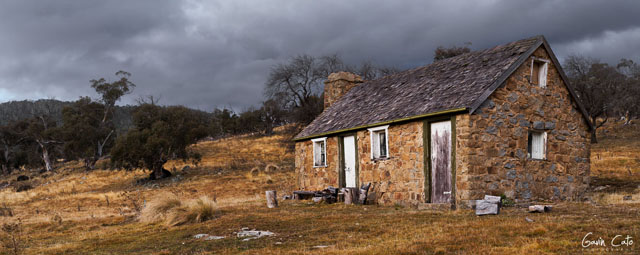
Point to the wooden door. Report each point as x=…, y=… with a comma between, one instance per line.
x=349, y=148
x=440, y=162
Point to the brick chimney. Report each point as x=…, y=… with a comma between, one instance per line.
x=337, y=85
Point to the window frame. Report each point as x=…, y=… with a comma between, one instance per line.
x=376, y=131
x=530, y=135
x=324, y=145
x=543, y=69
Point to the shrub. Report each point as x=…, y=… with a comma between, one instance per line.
x=12, y=238
x=23, y=187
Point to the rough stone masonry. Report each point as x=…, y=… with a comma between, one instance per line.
x=490, y=147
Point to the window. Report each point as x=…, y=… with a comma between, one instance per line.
x=539, y=72
x=379, y=142
x=320, y=152
x=537, y=145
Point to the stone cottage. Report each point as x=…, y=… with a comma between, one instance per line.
x=501, y=121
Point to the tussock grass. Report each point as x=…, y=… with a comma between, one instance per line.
x=158, y=208
x=198, y=210
x=170, y=210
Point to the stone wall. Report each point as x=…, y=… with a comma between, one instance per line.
x=399, y=178
x=492, y=143
x=316, y=178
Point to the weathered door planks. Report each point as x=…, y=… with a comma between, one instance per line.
x=440, y=148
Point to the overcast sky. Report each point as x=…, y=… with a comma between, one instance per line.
x=207, y=54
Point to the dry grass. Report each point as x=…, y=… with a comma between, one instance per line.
x=195, y=211
x=170, y=209
x=158, y=208
x=68, y=213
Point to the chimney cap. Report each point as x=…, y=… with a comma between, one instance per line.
x=346, y=76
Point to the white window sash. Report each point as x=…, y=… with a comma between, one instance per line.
x=375, y=140
x=542, y=73
x=538, y=144
x=542, y=79
x=318, y=151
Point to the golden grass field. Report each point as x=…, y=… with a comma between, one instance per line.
x=76, y=212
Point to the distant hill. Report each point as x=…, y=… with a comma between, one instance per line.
x=19, y=110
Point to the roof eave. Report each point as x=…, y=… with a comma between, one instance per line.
x=416, y=117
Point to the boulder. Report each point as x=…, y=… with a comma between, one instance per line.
x=22, y=178
x=493, y=199
x=484, y=207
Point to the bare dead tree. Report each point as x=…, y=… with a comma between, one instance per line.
x=597, y=86
x=299, y=82
x=627, y=106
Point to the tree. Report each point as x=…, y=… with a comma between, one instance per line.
x=271, y=115
x=298, y=84
x=627, y=106
x=44, y=132
x=159, y=134
x=597, y=86
x=443, y=53
x=223, y=122
x=110, y=93
x=84, y=132
x=368, y=71
x=11, y=143
x=300, y=79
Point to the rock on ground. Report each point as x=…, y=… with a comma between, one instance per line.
x=484, y=207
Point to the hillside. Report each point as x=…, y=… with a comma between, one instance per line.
x=77, y=212
x=19, y=110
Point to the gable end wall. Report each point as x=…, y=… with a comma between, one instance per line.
x=492, y=142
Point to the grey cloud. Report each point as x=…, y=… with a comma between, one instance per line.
x=218, y=53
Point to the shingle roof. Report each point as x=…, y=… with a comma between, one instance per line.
x=463, y=82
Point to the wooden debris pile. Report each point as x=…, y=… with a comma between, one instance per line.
x=331, y=195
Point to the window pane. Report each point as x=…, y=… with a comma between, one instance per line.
x=537, y=143
x=529, y=145
x=383, y=144
x=319, y=154
x=323, y=154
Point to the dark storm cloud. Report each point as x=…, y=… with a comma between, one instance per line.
x=218, y=53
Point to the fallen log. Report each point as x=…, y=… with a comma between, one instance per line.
x=539, y=208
